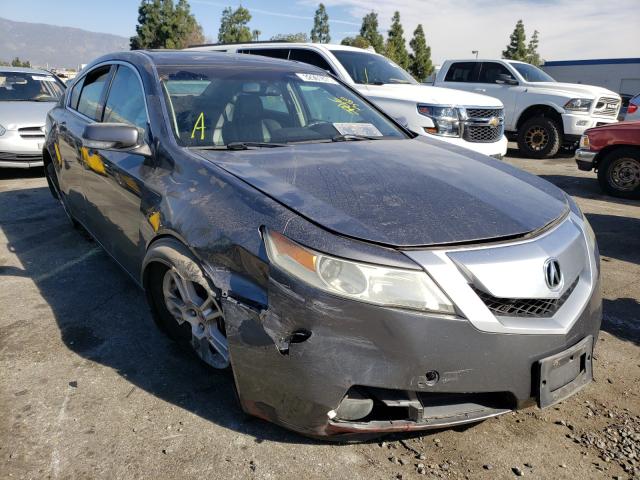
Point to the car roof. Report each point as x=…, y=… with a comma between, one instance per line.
x=25, y=70
x=319, y=46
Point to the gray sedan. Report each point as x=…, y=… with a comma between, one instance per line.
x=26, y=95
x=354, y=277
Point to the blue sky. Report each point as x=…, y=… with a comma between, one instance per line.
x=569, y=29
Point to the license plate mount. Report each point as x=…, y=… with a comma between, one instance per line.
x=565, y=373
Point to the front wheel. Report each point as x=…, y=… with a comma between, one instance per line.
x=619, y=173
x=185, y=307
x=539, y=137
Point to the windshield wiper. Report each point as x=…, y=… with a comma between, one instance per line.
x=241, y=146
x=348, y=137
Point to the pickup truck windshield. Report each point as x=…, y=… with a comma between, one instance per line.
x=236, y=106
x=29, y=87
x=531, y=73
x=370, y=69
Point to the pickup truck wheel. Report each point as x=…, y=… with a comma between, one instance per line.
x=619, y=173
x=539, y=137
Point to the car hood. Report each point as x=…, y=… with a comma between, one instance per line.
x=24, y=114
x=429, y=94
x=573, y=90
x=400, y=193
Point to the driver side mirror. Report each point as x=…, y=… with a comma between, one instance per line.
x=506, y=79
x=114, y=136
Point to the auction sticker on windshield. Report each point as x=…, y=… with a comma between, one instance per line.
x=364, y=129
x=314, y=77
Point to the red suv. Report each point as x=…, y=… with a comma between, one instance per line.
x=614, y=152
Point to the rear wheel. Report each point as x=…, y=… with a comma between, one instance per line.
x=186, y=308
x=619, y=173
x=539, y=137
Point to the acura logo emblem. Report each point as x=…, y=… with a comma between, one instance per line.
x=552, y=273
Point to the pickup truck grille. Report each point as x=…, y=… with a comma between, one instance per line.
x=607, y=107
x=480, y=125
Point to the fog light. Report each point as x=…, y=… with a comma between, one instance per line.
x=582, y=123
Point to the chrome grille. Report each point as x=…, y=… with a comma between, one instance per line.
x=482, y=134
x=607, y=107
x=484, y=112
x=31, y=132
x=479, y=124
x=525, y=307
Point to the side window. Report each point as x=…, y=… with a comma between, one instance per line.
x=91, y=93
x=462, y=72
x=75, y=94
x=125, y=103
x=282, y=53
x=310, y=57
x=490, y=72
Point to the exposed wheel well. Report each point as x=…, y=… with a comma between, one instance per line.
x=167, y=238
x=611, y=148
x=540, y=110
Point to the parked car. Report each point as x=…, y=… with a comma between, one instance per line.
x=468, y=120
x=633, y=109
x=356, y=277
x=614, y=152
x=540, y=114
x=26, y=95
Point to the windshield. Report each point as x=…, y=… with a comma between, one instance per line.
x=29, y=87
x=214, y=106
x=370, y=69
x=531, y=73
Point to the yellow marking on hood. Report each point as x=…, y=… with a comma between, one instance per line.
x=154, y=220
x=94, y=162
x=58, y=156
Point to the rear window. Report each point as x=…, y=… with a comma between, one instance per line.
x=462, y=72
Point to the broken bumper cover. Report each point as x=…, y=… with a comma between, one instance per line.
x=386, y=354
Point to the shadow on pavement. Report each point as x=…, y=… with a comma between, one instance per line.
x=9, y=173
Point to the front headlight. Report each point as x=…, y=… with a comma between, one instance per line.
x=584, y=142
x=578, y=104
x=446, y=120
x=387, y=286
x=2, y=130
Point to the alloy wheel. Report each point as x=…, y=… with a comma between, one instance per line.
x=537, y=138
x=191, y=303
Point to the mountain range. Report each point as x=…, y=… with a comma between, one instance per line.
x=53, y=46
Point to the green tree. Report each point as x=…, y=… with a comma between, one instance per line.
x=533, y=57
x=299, y=37
x=369, y=32
x=233, y=25
x=161, y=24
x=517, y=49
x=16, y=62
x=396, y=48
x=320, y=30
x=358, y=41
x=420, y=64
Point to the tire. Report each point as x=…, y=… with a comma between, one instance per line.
x=52, y=181
x=183, y=303
x=539, y=137
x=619, y=173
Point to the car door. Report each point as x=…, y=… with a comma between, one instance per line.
x=493, y=80
x=114, y=188
x=462, y=76
x=83, y=107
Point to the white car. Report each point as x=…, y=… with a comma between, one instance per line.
x=26, y=95
x=461, y=118
x=540, y=113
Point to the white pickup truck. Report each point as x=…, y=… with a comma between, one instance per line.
x=461, y=118
x=540, y=113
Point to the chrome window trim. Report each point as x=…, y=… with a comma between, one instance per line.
x=99, y=65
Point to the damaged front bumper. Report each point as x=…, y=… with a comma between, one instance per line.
x=297, y=362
